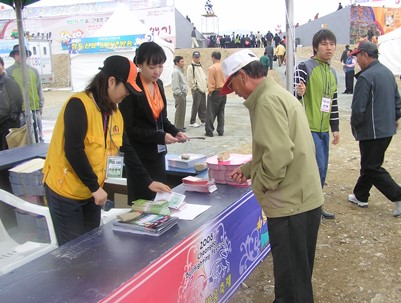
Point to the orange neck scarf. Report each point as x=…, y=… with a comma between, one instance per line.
x=156, y=101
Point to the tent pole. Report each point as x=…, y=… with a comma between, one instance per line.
x=25, y=95
x=290, y=30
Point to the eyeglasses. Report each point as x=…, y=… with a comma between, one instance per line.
x=229, y=85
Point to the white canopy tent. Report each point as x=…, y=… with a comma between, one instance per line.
x=85, y=65
x=390, y=50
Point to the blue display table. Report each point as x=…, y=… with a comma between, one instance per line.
x=203, y=260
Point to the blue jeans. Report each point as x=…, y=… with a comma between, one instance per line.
x=321, y=141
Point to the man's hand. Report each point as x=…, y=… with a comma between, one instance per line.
x=301, y=89
x=237, y=176
x=336, y=138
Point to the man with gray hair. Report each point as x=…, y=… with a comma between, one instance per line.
x=376, y=108
x=284, y=173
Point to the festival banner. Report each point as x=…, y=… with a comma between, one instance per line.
x=209, y=265
x=92, y=45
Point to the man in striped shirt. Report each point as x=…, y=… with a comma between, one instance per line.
x=316, y=87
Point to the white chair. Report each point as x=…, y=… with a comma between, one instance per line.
x=13, y=254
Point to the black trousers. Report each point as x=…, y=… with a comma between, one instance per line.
x=198, y=106
x=71, y=218
x=216, y=104
x=270, y=61
x=293, y=245
x=349, y=81
x=373, y=174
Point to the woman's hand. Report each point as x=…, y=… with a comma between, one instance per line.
x=100, y=196
x=169, y=139
x=158, y=187
x=181, y=137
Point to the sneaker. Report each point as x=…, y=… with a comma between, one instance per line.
x=194, y=125
x=202, y=124
x=353, y=199
x=397, y=211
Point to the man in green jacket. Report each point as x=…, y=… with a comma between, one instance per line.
x=316, y=88
x=36, y=99
x=284, y=173
x=264, y=60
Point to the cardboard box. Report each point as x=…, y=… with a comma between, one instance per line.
x=220, y=170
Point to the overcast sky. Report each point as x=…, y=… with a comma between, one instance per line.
x=248, y=15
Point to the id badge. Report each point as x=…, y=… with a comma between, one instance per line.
x=325, y=105
x=114, y=167
x=161, y=148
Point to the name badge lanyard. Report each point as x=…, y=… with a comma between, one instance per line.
x=326, y=99
x=115, y=163
x=160, y=147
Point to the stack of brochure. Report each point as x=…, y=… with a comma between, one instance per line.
x=175, y=200
x=160, y=207
x=144, y=223
x=202, y=185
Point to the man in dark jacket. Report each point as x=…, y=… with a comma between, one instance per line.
x=10, y=105
x=269, y=49
x=376, y=108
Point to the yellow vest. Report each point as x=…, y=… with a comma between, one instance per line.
x=58, y=173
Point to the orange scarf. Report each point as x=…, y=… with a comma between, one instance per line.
x=156, y=101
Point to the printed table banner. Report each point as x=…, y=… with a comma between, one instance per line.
x=209, y=265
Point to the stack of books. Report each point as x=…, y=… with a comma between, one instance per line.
x=154, y=207
x=202, y=185
x=26, y=179
x=144, y=223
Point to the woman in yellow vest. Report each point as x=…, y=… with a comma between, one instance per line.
x=88, y=131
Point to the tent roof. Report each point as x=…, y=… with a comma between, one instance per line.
x=23, y=2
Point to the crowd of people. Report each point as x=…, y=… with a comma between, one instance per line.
x=250, y=40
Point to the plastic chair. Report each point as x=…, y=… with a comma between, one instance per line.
x=13, y=254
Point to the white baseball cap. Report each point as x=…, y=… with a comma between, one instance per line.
x=234, y=63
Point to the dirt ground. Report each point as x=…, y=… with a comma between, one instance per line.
x=358, y=255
